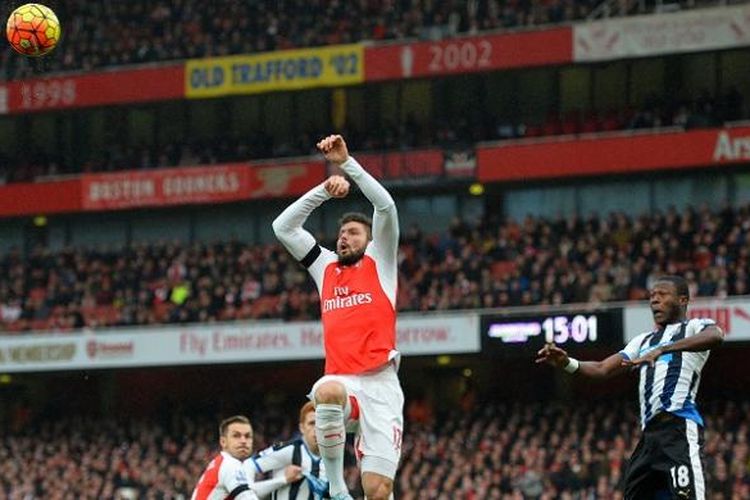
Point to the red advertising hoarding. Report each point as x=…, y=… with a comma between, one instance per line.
x=275, y=180
x=40, y=198
x=196, y=185
x=623, y=153
x=511, y=161
x=469, y=54
x=404, y=165
x=173, y=186
x=93, y=89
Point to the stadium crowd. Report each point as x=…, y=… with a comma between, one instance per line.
x=106, y=34
x=496, y=451
x=462, y=132
x=492, y=263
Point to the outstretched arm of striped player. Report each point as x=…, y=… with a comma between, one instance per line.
x=558, y=358
x=264, y=488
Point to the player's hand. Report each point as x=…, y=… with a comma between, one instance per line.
x=334, y=149
x=648, y=358
x=318, y=486
x=292, y=473
x=552, y=355
x=337, y=186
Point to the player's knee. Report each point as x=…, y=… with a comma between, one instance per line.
x=378, y=488
x=330, y=393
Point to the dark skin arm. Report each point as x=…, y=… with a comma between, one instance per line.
x=558, y=358
x=709, y=338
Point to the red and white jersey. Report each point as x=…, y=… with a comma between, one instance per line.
x=226, y=478
x=358, y=302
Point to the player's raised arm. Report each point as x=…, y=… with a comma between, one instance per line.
x=385, y=229
x=288, y=225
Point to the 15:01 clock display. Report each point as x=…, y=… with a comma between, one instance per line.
x=591, y=328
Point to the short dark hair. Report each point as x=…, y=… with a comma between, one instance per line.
x=680, y=284
x=356, y=217
x=236, y=419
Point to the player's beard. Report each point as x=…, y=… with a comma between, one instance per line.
x=351, y=258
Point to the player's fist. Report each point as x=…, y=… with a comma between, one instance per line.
x=337, y=186
x=334, y=149
x=292, y=473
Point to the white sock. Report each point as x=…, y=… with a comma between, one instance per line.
x=329, y=429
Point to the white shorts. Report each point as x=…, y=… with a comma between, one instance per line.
x=378, y=408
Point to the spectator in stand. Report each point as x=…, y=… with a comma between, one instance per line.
x=495, y=451
x=104, y=34
x=538, y=261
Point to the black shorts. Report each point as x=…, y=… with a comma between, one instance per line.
x=667, y=461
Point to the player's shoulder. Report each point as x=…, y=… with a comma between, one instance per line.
x=225, y=460
x=290, y=443
x=698, y=324
x=233, y=470
x=701, y=321
x=279, y=447
x=641, y=337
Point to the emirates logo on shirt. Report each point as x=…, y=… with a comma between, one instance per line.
x=343, y=299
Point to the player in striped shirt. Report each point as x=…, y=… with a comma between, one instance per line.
x=229, y=476
x=669, y=359
x=302, y=452
x=357, y=286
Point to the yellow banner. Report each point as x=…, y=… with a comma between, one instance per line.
x=273, y=71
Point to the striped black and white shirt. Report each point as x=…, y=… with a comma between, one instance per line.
x=295, y=452
x=672, y=383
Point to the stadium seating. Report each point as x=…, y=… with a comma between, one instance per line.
x=107, y=35
x=488, y=451
x=495, y=264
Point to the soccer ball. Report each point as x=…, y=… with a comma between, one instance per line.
x=33, y=29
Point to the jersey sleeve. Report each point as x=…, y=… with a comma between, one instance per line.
x=632, y=350
x=273, y=458
x=697, y=325
x=385, y=229
x=268, y=486
x=234, y=478
x=288, y=225
x=300, y=243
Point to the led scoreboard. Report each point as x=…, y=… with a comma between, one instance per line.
x=600, y=328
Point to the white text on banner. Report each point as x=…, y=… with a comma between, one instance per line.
x=220, y=343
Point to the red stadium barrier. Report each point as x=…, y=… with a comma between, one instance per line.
x=40, y=198
x=195, y=185
x=174, y=186
x=161, y=83
x=418, y=165
x=622, y=153
x=469, y=54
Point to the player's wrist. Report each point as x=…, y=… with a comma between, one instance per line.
x=572, y=365
x=323, y=188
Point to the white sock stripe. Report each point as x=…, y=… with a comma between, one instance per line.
x=695, y=459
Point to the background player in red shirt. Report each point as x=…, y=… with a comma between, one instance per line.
x=230, y=474
x=357, y=286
